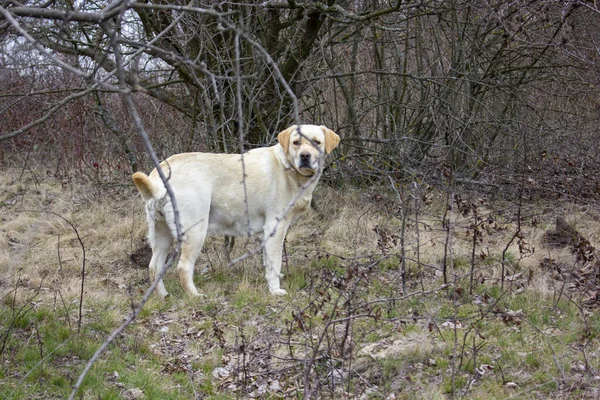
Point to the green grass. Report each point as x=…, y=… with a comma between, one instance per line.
x=46, y=355
x=522, y=345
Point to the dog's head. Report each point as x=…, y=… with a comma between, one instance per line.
x=304, y=146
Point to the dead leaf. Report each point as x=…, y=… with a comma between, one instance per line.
x=133, y=394
x=452, y=325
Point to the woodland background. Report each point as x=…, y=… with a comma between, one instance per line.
x=479, y=110
x=493, y=91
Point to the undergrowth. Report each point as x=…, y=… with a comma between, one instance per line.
x=413, y=310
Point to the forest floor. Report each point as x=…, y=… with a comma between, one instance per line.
x=393, y=294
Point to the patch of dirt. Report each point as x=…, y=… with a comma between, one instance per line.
x=140, y=258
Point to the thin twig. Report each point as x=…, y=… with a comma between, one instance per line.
x=404, y=213
x=534, y=326
x=82, y=267
x=240, y=124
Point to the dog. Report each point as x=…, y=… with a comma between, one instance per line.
x=261, y=191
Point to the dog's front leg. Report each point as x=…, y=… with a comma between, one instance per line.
x=274, y=234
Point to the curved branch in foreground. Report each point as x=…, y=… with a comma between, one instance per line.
x=128, y=99
x=126, y=93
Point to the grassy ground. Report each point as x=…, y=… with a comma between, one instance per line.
x=351, y=326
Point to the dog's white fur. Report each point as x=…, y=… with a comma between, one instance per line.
x=214, y=197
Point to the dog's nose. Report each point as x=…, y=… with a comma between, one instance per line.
x=305, y=158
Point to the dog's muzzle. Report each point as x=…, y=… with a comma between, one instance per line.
x=307, y=164
x=305, y=161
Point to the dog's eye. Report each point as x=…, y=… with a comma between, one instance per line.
x=296, y=142
x=317, y=142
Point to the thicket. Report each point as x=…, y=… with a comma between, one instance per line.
x=471, y=97
x=490, y=91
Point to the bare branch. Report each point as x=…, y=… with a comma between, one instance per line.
x=110, y=11
x=40, y=48
x=126, y=93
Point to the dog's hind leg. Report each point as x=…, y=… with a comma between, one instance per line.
x=161, y=244
x=190, y=250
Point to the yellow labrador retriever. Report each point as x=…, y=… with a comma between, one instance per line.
x=214, y=197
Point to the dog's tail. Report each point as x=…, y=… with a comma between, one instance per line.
x=145, y=186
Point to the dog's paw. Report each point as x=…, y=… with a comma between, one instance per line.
x=196, y=293
x=278, y=292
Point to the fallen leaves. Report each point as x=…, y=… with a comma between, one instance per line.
x=510, y=317
x=451, y=325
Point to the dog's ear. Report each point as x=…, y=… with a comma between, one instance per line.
x=284, y=138
x=331, y=139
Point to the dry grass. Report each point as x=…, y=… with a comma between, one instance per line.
x=41, y=221
x=397, y=347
